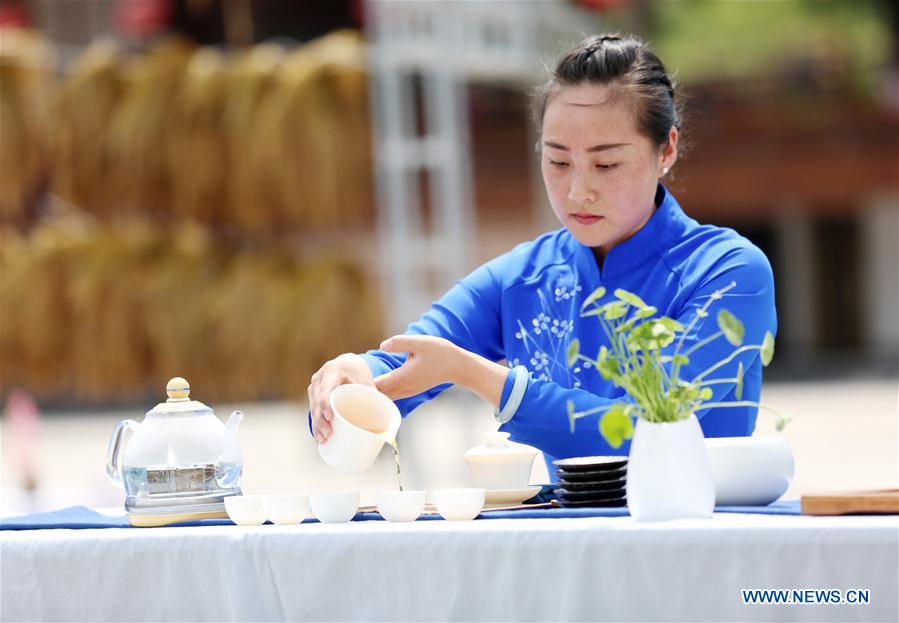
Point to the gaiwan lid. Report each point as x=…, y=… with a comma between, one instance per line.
x=498, y=449
x=178, y=390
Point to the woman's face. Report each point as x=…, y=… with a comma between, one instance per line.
x=600, y=172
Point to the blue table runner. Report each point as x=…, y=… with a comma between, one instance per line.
x=81, y=517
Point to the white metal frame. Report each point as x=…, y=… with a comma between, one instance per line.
x=447, y=44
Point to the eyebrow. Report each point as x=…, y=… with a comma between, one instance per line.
x=592, y=149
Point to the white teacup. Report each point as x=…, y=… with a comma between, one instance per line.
x=459, y=504
x=400, y=505
x=286, y=509
x=245, y=510
x=363, y=420
x=334, y=506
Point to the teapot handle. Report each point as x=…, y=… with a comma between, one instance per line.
x=115, y=451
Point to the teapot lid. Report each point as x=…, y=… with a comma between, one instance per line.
x=178, y=390
x=499, y=447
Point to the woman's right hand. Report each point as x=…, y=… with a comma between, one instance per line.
x=347, y=368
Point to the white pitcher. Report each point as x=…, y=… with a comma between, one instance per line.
x=363, y=420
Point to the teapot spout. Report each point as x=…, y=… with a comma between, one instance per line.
x=230, y=448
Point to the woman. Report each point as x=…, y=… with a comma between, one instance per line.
x=609, y=127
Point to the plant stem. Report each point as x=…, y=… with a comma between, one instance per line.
x=725, y=361
x=583, y=414
x=703, y=342
x=717, y=382
x=738, y=403
x=696, y=315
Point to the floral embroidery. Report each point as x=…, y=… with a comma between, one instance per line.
x=563, y=293
x=545, y=339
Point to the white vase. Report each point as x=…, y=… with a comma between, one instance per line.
x=668, y=473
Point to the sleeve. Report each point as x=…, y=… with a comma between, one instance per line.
x=542, y=418
x=467, y=315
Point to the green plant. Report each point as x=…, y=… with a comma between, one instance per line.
x=636, y=360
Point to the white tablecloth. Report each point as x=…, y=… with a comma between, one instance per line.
x=510, y=569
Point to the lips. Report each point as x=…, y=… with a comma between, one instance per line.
x=586, y=219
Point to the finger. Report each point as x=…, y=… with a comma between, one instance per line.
x=324, y=427
x=316, y=434
x=321, y=430
x=399, y=344
x=323, y=408
x=320, y=403
x=394, y=384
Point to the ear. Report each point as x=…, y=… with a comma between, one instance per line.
x=668, y=154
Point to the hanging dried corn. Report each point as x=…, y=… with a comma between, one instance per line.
x=140, y=128
x=197, y=158
x=27, y=66
x=251, y=77
x=83, y=109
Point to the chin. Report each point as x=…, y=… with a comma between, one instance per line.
x=588, y=238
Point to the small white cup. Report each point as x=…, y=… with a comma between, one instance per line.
x=334, y=506
x=400, y=505
x=459, y=504
x=286, y=509
x=245, y=510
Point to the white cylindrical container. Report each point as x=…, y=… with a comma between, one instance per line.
x=668, y=473
x=364, y=419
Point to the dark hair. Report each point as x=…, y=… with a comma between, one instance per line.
x=623, y=61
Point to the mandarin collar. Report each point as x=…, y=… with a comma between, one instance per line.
x=666, y=224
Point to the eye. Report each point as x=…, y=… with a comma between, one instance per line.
x=607, y=167
x=558, y=164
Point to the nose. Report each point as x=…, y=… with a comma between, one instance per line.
x=579, y=192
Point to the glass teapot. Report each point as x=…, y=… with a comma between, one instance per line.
x=179, y=463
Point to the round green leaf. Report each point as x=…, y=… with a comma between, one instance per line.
x=705, y=393
x=672, y=324
x=781, y=421
x=739, y=389
x=597, y=294
x=767, y=349
x=572, y=352
x=630, y=298
x=615, y=310
x=626, y=326
x=616, y=426
x=731, y=327
x=609, y=369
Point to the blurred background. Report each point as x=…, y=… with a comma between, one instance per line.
x=212, y=189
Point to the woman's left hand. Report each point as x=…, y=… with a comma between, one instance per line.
x=432, y=361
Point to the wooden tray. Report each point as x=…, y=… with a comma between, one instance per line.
x=880, y=502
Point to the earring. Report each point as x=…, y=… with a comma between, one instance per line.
x=665, y=171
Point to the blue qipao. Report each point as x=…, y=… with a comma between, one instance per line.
x=524, y=307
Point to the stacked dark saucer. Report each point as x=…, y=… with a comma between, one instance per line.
x=592, y=481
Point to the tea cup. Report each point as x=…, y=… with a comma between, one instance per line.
x=245, y=510
x=400, y=505
x=334, y=506
x=286, y=509
x=459, y=504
